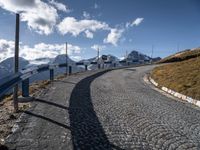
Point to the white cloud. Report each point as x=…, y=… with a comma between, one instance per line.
x=128, y=24
x=100, y=47
x=96, y=6
x=89, y=34
x=40, y=16
x=60, y=6
x=48, y=50
x=6, y=49
x=86, y=15
x=40, y=50
x=75, y=27
x=137, y=22
x=114, y=36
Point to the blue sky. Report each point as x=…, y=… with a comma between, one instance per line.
x=114, y=25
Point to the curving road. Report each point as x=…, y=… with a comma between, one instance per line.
x=107, y=110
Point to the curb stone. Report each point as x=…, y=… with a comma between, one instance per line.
x=176, y=94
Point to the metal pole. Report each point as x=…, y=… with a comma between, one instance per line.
x=152, y=53
x=98, y=58
x=16, y=63
x=66, y=60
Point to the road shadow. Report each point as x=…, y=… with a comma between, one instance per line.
x=86, y=129
x=51, y=103
x=46, y=119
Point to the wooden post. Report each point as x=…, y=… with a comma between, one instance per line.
x=16, y=63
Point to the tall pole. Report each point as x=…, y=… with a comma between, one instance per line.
x=66, y=59
x=98, y=54
x=16, y=63
x=126, y=56
x=152, y=51
x=98, y=58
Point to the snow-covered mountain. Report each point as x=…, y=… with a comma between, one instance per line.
x=136, y=56
x=110, y=58
x=7, y=66
x=60, y=59
x=93, y=59
x=41, y=61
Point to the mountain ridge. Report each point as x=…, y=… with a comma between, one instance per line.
x=7, y=66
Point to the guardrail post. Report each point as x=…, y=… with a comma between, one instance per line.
x=86, y=68
x=51, y=74
x=99, y=66
x=25, y=88
x=70, y=70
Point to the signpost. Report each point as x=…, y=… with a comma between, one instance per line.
x=16, y=63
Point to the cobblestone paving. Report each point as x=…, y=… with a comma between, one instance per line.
x=107, y=110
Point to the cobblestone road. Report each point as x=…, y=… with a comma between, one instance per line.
x=107, y=110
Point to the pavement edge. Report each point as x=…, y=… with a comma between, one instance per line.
x=183, y=97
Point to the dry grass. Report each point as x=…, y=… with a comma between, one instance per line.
x=7, y=114
x=183, y=77
x=181, y=56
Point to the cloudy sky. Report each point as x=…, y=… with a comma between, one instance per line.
x=115, y=26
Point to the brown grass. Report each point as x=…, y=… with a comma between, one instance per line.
x=183, y=77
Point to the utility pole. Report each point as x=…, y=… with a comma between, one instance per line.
x=16, y=62
x=66, y=59
x=98, y=58
x=152, y=51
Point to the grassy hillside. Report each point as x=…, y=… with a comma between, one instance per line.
x=183, y=76
x=181, y=56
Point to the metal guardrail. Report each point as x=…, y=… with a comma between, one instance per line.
x=23, y=76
